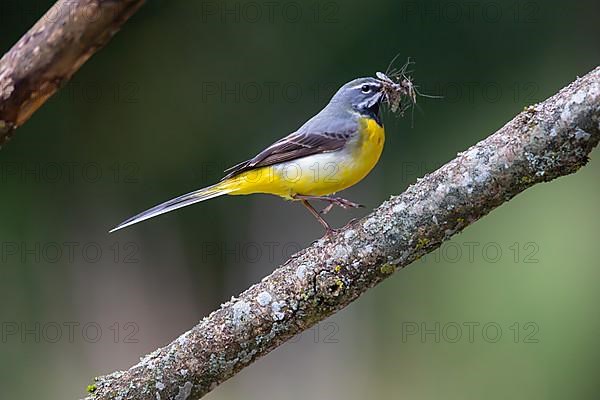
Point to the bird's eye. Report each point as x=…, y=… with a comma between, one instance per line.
x=365, y=89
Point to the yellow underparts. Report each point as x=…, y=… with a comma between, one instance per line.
x=319, y=174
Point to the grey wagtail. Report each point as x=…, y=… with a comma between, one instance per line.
x=332, y=151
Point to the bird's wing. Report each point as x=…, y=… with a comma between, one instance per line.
x=296, y=145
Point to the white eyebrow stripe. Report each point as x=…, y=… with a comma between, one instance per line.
x=363, y=84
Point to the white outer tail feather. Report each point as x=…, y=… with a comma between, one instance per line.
x=173, y=204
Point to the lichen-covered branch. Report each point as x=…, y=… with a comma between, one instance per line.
x=545, y=141
x=52, y=51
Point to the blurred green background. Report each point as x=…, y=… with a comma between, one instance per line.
x=508, y=309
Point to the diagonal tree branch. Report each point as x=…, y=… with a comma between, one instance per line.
x=52, y=51
x=545, y=141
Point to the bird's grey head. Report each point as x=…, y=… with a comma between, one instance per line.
x=363, y=95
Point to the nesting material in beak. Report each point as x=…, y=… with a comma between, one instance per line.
x=396, y=88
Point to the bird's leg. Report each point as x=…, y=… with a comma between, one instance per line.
x=333, y=201
x=315, y=213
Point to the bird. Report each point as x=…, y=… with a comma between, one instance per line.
x=332, y=151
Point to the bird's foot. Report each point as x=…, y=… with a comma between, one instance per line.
x=350, y=223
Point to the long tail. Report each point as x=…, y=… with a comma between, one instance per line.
x=197, y=196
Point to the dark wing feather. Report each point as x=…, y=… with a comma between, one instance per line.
x=292, y=147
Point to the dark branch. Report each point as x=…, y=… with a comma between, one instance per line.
x=545, y=141
x=52, y=51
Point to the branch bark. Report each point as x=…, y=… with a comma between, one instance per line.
x=543, y=142
x=52, y=51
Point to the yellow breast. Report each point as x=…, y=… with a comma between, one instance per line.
x=369, y=148
x=319, y=174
